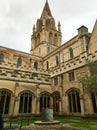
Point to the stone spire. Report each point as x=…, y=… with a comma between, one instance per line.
x=46, y=11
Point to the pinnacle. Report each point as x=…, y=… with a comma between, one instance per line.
x=46, y=11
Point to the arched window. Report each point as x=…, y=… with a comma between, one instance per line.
x=25, y=105
x=94, y=101
x=47, y=65
x=44, y=101
x=57, y=60
x=19, y=61
x=1, y=58
x=50, y=37
x=74, y=101
x=71, y=53
x=5, y=97
x=55, y=39
x=56, y=100
x=35, y=65
x=38, y=39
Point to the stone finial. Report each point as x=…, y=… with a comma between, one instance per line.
x=59, y=26
x=33, y=28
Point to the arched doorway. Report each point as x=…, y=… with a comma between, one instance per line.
x=44, y=101
x=74, y=101
x=5, y=97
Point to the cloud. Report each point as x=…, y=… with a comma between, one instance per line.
x=17, y=18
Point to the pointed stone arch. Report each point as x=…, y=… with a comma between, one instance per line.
x=56, y=101
x=74, y=100
x=5, y=98
x=25, y=105
x=44, y=100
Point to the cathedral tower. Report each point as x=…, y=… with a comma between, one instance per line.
x=45, y=37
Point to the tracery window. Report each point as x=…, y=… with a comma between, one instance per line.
x=5, y=97
x=44, y=101
x=56, y=100
x=74, y=101
x=1, y=58
x=25, y=102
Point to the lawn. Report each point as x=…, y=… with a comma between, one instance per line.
x=74, y=123
x=81, y=124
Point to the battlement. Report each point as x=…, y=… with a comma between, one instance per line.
x=73, y=64
x=24, y=74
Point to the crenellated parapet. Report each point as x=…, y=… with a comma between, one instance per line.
x=73, y=64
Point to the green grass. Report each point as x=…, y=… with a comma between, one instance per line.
x=81, y=124
x=74, y=123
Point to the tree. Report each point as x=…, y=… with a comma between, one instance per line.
x=89, y=81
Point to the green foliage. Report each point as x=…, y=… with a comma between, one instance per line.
x=90, y=80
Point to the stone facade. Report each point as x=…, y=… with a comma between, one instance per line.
x=49, y=76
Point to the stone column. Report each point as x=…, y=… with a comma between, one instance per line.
x=33, y=105
x=11, y=105
x=38, y=106
x=51, y=102
x=66, y=105
x=82, y=105
x=16, y=106
x=60, y=107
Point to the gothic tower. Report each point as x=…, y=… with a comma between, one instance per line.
x=45, y=37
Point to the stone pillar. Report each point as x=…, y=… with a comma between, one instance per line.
x=66, y=105
x=16, y=106
x=60, y=107
x=11, y=105
x=37, y=106
x=82, y=105
x=51, y=102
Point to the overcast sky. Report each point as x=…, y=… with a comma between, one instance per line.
x=18, y=16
